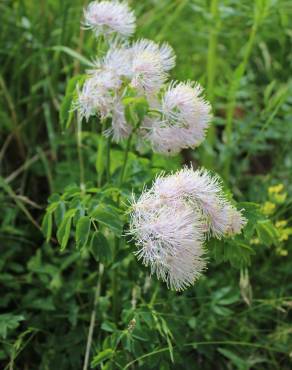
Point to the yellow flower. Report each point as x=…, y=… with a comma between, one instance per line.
x=276, y=189
x=282, y=252
x=276, y=193
x=285, y=233
x=255, y=241
x=281, y=224
x=268, y=208
x=280, y=198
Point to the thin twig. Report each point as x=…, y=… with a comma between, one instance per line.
x=14, y=119
x=92, y=319
x=22, y=168
x=5, y=146
x=18, y=202
x=125, y=159
x=235, y=343
x=26, y=200
x=11, y=135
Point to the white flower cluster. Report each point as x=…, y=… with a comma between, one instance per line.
x=110, y=17
x=184, y=119
x=172, y=220
x=178, y=116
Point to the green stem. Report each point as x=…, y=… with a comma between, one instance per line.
x=14, y=119
x=125, y=159
x=101, y=164
x=211, y=70
x=172, y=17
x=7, y=188
x=237, y=76
x=194, y=344
x=153, y=298
x=79, y=150
x=115, y=286
x=93, y=317
x=108, y=159
x=117, y=241
x=234, y=86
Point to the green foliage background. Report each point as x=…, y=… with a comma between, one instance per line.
x=238, y=316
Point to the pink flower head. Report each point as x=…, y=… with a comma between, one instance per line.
x=93, y=99
x=185, y=117
x=110, y=17
x=169, y=238
x=120, y=128
x=118, y=60
x=150, y=64
x=205, y=193
x=171, y=220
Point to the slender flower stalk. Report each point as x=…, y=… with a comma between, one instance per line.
x=125, y=159
x=93, y=318
x=100, y=164
x=80, y=154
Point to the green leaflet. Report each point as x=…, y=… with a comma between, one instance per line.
x=82, y=231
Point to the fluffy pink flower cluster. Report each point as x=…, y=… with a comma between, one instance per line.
x=171, y=221
x=183, y=120
x=110, y=17
x=178, y=116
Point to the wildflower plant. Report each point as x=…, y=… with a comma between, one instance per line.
x=187, y=218
x=128, y=94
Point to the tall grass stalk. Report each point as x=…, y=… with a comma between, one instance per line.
x=179, y=6
x=260, y=12
x=14, y=119
x=208, y=157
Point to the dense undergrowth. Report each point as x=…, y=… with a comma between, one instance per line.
x=238, y=315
